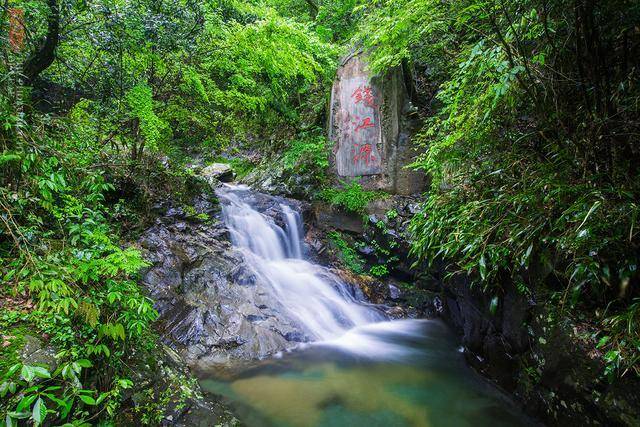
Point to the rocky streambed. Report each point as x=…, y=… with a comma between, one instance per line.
x=214, y=308
x=263, y=327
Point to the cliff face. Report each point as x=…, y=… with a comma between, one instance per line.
x=371, y=127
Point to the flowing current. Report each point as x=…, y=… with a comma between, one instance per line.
x=323, y=306
x=361, y=369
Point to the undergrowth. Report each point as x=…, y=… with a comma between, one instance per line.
x=351, y=196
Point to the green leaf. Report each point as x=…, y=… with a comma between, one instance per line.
x=26, y=402
x=603, y=341
x=10, y=157
x=87, y=399
x=9, y=275
x=12, y=370
x=61, y=403
x=4, y=389
x=493, y=305
x=19, y=415
x=525, y=258
x=41, y=372
x=483, y=267
x=119, y=331
x=612, y=356
x=101, y=398
x=84, y=363
x=39, y=411
x=27, y=373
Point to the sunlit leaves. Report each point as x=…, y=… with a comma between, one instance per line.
x=140, y=100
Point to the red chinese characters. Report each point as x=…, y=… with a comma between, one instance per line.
x=364, y=94
x=358, y=154
x=366, y=123
x=362, y=152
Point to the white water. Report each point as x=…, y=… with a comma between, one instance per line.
x=317, y=300
x=365, y=366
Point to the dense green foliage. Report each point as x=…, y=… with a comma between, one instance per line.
x=60, y=255
x=347, y=254
x=308, y=154
x=93, y=132
x=532, y=147
x=530, y=125
x=350, y=196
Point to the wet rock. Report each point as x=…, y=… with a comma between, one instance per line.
x=428, y=282
x=175, y=212
x=295, y=336
x=438, y=305
x=36, y=352
x=165, y=391
x=366, y=250
x=273, y=178
x=217, y=172
x=212, y=307
x=394, y=292
x=329, y=218
x=396, y=312
x=316, y=245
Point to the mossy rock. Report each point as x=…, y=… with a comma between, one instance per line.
x=11, y=343
x=35, y=352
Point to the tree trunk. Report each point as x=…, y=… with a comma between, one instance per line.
x=44, y=55
x=314, y=8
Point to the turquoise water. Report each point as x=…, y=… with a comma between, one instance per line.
x=404, y=373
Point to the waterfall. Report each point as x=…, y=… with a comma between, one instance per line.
x=294, y=230
x=319, y=302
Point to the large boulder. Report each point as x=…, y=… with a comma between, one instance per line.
x=273, y=177
x=36, y=352
x=217, y=172
x=212, y=306
x=371, y=123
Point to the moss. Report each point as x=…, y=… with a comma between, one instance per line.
x=240, y=165
x=352, y=196
x=14, y=336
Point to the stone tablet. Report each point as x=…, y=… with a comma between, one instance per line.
x=359, y=133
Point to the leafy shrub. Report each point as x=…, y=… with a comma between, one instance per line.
x=347, y=254
x=61, y=251
x=351, y=196
x=533, y=180
x=379, y=270
x=140, y=101
x=307, y=154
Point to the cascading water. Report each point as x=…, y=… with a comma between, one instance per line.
x=363, y=369
x=322, y=305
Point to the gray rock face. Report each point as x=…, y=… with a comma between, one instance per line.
x=217, y=172
x=211, y=305
x=371, y=125
x=273, y=178
x=35, y=352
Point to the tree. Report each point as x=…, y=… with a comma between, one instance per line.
x=44, y=54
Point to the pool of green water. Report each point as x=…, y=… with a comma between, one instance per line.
x=396, y=374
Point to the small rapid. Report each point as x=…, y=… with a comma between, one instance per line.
x=322, y=305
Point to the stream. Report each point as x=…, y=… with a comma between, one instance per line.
x=354, y=366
